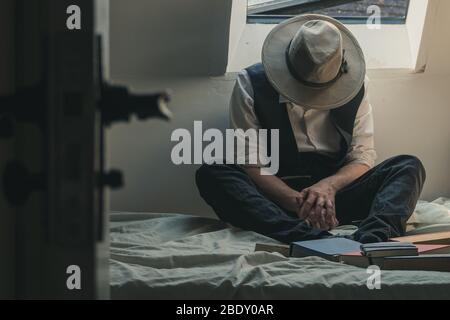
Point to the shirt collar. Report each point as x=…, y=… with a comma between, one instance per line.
x=283, y=99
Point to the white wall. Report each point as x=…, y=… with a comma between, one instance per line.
x=142, y=149
x=237, y=26
x=169, y=37
x=412, y=115
x=438, y=46
x=102, y=27
x=419, y=11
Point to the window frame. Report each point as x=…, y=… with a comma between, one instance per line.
x=276, y=19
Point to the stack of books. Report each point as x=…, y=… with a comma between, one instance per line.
x=429, y=252
x=424, y=257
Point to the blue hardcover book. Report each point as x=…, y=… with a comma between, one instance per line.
x=329, y=249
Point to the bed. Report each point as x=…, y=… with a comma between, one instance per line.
x=172, y=256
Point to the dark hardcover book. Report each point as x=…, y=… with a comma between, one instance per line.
x=439, y=263
x=357, y=258
x=329, y=249
x=389, y=249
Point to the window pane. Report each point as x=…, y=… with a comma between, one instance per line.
x=389, y=8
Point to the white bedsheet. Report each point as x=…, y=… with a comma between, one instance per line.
x=169, y=256
x=431, y=217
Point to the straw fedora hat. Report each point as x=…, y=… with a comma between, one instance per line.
x=314, y=61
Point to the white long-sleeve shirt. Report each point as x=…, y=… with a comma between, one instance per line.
x=313, y=129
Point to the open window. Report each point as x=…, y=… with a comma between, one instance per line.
x=348, y=11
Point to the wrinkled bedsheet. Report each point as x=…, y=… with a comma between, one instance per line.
x=171, y=256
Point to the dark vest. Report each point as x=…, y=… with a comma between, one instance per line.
x=273, y=115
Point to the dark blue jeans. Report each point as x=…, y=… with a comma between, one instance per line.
x=382, y=201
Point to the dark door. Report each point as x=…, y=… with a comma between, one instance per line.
x=53, y=180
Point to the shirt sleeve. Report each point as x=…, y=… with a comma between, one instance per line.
x=243, y=117
x=242, y=112
x=362, y=150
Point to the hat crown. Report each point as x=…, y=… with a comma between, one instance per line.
x=316, y=52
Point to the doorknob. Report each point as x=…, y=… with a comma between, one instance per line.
x=119, y=104
x=112, y=179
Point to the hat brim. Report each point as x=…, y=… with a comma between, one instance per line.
x=334, y=95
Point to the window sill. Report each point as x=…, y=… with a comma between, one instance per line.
x=271, y=19
x=391, y=47
x=386, y=48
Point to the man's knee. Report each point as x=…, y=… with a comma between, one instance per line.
x=412, y=165
x=415, y=166
x=206, y=180
x=205, y=174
